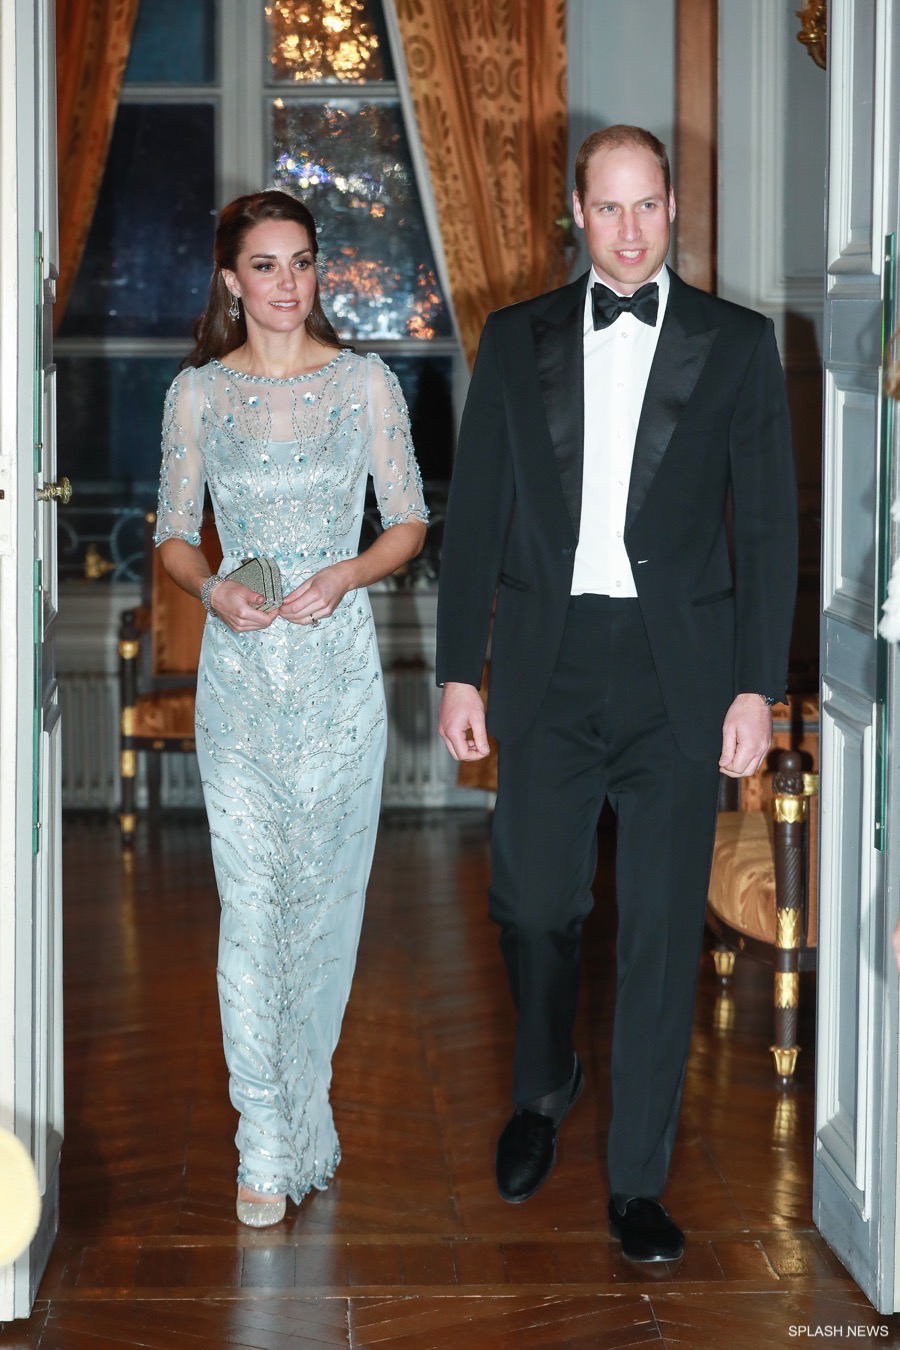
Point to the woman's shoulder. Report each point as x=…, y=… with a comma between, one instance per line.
x=365, y=367
x=188, y=378
x=375, y=362
x=354, y=362
x=377, y=370
x=188, y=391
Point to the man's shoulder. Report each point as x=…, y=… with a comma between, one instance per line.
x=537, y=305
x=716, y=309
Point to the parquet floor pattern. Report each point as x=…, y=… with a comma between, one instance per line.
x=411, y=1248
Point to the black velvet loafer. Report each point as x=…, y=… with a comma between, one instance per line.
x=645, y=1231
x=526, y=1150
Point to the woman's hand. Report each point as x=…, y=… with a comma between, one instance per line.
x=239, y=607
x=318, y=596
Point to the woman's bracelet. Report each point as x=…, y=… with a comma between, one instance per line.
x=207, y=589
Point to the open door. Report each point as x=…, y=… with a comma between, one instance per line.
x=30, y=879
x=855, y=1182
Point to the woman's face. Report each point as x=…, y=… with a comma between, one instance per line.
x=275, y=276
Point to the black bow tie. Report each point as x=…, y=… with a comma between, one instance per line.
x=607, y=306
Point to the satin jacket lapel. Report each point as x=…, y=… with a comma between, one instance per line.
x=559, y=353
x=684, y=343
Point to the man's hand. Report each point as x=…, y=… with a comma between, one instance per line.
x=461, y=722
x=746, y=736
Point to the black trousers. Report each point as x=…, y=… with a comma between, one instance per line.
x=601, y=733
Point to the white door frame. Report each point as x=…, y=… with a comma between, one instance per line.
x=30, y=882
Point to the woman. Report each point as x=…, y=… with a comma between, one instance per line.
x=284, y=427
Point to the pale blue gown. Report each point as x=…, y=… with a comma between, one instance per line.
x=290, y=726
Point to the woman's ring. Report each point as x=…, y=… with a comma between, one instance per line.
x=314, y=623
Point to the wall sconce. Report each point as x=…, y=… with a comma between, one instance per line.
x=814, y=30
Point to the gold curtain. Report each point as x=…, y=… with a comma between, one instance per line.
x=488, y=80
x=93, y=38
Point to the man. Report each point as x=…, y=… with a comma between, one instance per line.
x=612, y=428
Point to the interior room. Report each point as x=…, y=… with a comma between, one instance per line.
x=435, y=146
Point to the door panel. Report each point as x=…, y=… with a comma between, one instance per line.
x=845, y=1003
x=855, y=1178
x=47, y=996
x=851, y=414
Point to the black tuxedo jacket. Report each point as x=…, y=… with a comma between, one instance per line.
x=713, y=441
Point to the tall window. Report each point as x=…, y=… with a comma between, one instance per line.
x=222, y=97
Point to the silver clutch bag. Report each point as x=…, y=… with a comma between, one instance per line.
x=260, y=575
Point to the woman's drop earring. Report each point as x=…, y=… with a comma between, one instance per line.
x=234, y=309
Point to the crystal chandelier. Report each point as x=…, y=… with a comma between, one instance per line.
x=321, y=39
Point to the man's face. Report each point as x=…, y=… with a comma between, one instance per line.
x=625, y=216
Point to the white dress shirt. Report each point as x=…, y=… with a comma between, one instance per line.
x=617, y=364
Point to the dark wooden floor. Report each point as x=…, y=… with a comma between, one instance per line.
x=411, y=1247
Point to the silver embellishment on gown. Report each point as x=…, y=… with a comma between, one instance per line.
x=290, y=726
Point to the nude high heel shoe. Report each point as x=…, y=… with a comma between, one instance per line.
x=261, y=1213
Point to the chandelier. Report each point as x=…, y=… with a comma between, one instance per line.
x=322, y=40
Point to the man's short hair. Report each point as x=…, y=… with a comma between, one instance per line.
x=613, y=138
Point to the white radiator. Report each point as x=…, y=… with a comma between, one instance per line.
x=418, y=771
x=87, y=663
x=89, y=705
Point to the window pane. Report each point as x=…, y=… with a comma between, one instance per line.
x=349, y=162
x=174, y=42
x=146, y=267
x=110, y=422
x=427, y=384
x=100, y=539
x=110, y=411
x=327, y=40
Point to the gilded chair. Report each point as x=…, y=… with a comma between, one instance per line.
x=159, y=650
x=762, y=892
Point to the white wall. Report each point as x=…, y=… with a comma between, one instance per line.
x=772, y=133
x=771, y=254
x=621, y=69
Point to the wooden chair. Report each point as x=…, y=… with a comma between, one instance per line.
x=158, y=678
x=762, y=891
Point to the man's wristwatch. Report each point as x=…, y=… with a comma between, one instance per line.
x=770, y=699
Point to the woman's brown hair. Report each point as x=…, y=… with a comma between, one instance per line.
x=216, y=333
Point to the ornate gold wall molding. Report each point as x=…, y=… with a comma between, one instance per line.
x=814, y=30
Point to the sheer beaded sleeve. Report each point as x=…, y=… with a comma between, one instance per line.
x=395, y=472
x=182, y=479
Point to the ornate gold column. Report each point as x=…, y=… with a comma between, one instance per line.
x=129, y=646
x=790, y=788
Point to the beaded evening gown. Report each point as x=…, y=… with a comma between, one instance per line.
x=290, y=725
